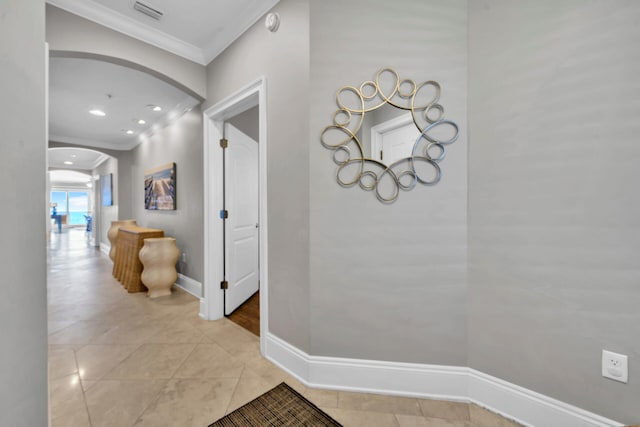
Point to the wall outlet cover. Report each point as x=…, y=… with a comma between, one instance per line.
x=615, y=366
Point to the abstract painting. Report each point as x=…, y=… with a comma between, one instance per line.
x=160, y=188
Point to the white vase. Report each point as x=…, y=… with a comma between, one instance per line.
x=112, y=234
x=159, y=256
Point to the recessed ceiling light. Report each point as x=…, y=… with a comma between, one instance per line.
x=98, y=113
x=157, y=108
x=129, y=132
x=67, y=162
x=141, y=122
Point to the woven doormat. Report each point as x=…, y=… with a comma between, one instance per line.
x=281, y=406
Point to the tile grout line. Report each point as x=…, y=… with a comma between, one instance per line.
x=235, y=389
x=167, y=380
x=154, y=400
x=183, y=361
x=172, y=378
x=102, y=377
x=80, y=382
x=60, y=330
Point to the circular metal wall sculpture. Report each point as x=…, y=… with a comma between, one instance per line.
x=345, y=135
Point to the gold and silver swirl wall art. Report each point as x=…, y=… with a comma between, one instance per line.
x=406, y=131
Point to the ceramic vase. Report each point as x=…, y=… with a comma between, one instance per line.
x=159, y=256
x=112, y=234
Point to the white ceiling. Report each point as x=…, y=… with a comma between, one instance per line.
x=198, y=30
x=69, y=179
x=81, y=158
x=77, y=85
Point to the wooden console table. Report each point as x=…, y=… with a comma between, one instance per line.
x=127, y=267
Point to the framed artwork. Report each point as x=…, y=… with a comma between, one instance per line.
x=160, y=188
x=106, y=183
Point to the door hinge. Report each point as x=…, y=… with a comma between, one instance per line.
x=380, y=155
x=224, y=214
x=224, y=143
x=224, y=285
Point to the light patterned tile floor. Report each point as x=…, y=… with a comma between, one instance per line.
x=118, y=359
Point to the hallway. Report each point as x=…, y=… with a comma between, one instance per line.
x=119, y=359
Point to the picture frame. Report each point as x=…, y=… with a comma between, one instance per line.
x=160, y=188
x=106, y=186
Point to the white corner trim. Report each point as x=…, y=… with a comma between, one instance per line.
x=189, y=285
x=116, y=21
x=439, y=382
x=105, y=248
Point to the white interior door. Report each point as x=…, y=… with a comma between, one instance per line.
x=241, y=226
x=394, y=139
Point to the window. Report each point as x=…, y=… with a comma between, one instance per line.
x=74, y=204
x=78, y=207
x=59, y=201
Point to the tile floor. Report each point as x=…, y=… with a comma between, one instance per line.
x=120, y=360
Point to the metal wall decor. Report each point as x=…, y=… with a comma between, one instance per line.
x=345, y=135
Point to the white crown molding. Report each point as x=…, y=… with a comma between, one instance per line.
x=95, y=144
x=189, y=285
x=99, y=160
x=230, y=34
x=109, y=18
x=452, y=383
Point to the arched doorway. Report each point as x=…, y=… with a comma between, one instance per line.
x=75, y=190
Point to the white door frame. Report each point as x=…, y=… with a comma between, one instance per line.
x=378, y=131
x=211, y=304
x=242, y=230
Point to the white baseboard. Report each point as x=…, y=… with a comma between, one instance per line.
x=430, y=382
x=203, y=309
x=105, y=248
x=189, y=285
x=529, y=407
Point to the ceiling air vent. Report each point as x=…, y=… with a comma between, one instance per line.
x=147, y=10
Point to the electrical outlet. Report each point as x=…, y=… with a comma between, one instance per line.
x=615, y=366
x=184, y=257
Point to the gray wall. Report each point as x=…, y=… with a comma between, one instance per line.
x=283, y=58
x=248, y=122
x=108, y=213
x=23, y=307
x=553, y=196
x=69, y=32
x=388, y=282
x=180, y=142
